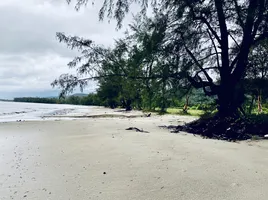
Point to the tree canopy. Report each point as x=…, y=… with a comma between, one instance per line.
x=200, y=43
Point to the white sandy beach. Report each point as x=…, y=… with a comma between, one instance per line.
x=96, y=158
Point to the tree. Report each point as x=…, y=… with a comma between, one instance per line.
x=134, y=72
x=216, y=36
x=118, y=81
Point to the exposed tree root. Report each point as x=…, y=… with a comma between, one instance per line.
x=229, y=128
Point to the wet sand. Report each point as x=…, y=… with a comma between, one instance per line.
x=97, y=158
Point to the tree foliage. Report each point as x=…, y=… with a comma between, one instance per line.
x=206, y=43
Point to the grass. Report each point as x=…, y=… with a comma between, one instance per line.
x=194, y=111
x=179, y=111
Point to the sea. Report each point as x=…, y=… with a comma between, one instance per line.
x=16, y=111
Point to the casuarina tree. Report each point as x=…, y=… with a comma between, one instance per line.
x=216, y=36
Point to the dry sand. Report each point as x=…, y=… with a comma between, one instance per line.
x=97, y=158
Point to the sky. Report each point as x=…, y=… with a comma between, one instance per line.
x=30, y=55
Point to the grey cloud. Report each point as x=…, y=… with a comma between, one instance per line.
x=30, y=56
x=29, y=31
x=32, y=74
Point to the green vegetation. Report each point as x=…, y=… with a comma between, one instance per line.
x=90, y=99
x=191, y=111
x=191, y=54
x=217, y=46
x=36, y=100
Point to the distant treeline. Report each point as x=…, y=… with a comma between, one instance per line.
x=90, y=99
x=36, y=100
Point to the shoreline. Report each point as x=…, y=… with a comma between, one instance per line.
x=35, y=112
x=69, y=113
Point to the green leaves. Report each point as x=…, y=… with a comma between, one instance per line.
x=200, y=43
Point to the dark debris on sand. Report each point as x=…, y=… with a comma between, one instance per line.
x=229, y=128
x=137, y=129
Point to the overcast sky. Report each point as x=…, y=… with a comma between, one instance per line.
x=30, y=56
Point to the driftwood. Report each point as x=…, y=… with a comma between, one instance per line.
x=136, y=129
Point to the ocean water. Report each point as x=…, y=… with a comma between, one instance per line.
x=15, y=111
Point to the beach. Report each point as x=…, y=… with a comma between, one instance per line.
x=96, y=158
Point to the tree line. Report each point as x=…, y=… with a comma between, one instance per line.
x=196, y=100
x=90, y=99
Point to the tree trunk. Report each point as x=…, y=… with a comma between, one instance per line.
x=185, y=108
x=150, y=94
x=230, y=99
x=259, y=103
x=251, y=104
x=163, y=99
x=226, y=109
x=128, y=105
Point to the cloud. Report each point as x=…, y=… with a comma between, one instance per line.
x=25, y=75
x=30, y=56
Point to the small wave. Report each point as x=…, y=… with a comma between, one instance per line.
x=61, y=112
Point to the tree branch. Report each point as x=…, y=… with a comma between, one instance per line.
x=234, y=62
x=204, y=20
x=247, y=42
x=215, y=48
x=198, y=64
x=203, y=84
x=259, y=19
x=212, y=54
x=224, y=34
x=208, y=68
x=238, y=12
x=234, y=40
